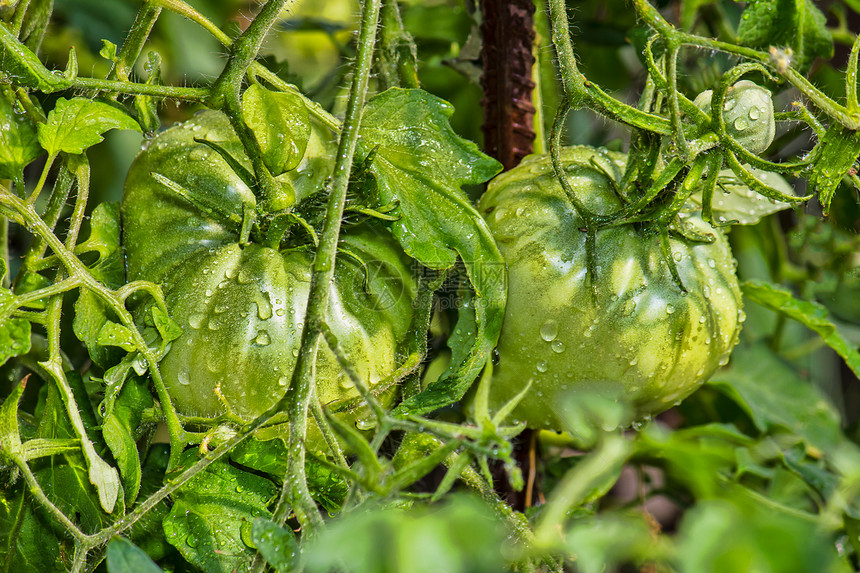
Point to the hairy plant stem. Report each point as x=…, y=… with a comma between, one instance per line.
x=134, y=41
x=20, y=13
x=132, y=88
x=182, y=8
x=4, y=244
x=226, y=96
x=848, y=117
x=26, y=215
x=580, y=91
x=295, y=484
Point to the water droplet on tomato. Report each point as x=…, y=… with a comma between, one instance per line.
x=549, y=330
x=558, y=346
x=365, y=424
x=263, y=338
x=198, y=154
x=196, y=320
x=741, y=124
x=183, y=378
x=542, y=366
x=670, y=308
x=755, y=113
x=264, y=307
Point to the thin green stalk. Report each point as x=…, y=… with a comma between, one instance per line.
x=134, y=41
x=576, y=484
x=20, y=13
x=39, y=494
x=675, y=109
x=27, y=216
x=132, y=88
x=42, y=178
x=59, y=287
x=171, y=486
x=79, y=561
x=4, y=243
x=226, y=96
x=580, y=91
x=321, y=281
x=182, y=8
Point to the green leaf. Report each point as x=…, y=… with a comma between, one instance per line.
x=277, y=544
x=108, y=51
x=272, y=457
x=420, y=163
x=166, y=326
x=91, y=315
x=29, y=282
x=14, y=337
x=811, y=314
x=10, y=437
x=281, y=123
x=121, y=428
x=19, y=62
x=18, y=143
x=148, y=533
x=773, y=395
x=77, y=124
x=29, y=542
x=796, y=24
x=104, y=239
x=123, y=556
x=609, y=540
x=115, y=334
x=211, y=513
x=66, y=479
x=839, y=150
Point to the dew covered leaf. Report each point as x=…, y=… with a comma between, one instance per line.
x=77, y=124
x=18, y=143
x=420, y=164
x=212, y=515
x=123, y=556
x=281, y=123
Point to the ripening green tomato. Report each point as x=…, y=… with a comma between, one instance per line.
x=643, y=337
x=747, y=112
x=241, y=306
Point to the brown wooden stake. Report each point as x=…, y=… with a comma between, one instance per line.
x=508, y=35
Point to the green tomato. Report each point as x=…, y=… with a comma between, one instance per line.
x=643, y=337
x=747, y=112
x=241, y=306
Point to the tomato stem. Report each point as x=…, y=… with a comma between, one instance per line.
x=298, y=400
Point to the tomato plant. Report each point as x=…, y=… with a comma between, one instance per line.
x=312, y=326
